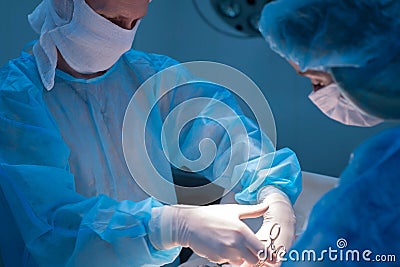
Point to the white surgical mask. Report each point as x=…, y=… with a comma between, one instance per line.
x=334, y=105
x=88, y=42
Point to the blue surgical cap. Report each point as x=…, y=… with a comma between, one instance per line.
x=357, y=41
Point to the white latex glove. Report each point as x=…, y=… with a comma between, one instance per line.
x=280, y=212
x=215, y=232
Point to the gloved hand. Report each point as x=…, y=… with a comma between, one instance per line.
x=215, y=232
x=279, y=222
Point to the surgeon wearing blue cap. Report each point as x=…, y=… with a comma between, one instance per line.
x=351, y=52
x=67, y=197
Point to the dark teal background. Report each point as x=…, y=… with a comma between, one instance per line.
x=173, y=27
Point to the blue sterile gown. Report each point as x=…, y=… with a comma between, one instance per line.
x=67, y=197
x=362, y=214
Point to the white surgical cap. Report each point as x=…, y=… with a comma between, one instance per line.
x=47, y=16
x=357, y=41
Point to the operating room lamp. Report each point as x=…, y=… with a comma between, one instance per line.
x=235, y=18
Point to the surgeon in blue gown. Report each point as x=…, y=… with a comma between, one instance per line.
x=351, y=52
x=67, y=197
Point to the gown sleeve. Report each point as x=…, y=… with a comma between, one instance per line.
x=59, y=226
x=239, y=154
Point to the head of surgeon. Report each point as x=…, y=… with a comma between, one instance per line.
x=349, y=49
x=83, y=37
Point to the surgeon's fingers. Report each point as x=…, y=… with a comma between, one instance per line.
x=252, y=211
x=258, y=264
x=249, y=256
x=252, y=243
x=246, y=264
x=237, y=261
x=216, y=259
x=240, y=256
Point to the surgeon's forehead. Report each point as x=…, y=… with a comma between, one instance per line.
x=125, y=8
